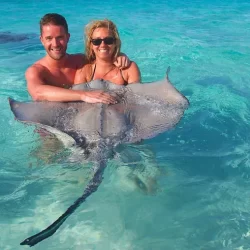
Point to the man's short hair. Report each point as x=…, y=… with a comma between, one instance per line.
x=54, y=19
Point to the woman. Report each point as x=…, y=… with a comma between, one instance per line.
x=102, y=46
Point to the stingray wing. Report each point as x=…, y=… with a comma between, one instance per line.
x=151, y=108
x=56, y=117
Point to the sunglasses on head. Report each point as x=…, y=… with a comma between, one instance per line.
x=107, y=40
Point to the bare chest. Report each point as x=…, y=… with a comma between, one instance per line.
x=114, y=76
x=61, y=77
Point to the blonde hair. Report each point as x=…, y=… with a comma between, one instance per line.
x=90, y=28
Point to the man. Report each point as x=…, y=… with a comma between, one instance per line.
x=51, y=77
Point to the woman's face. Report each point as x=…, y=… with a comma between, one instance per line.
x=103, y=49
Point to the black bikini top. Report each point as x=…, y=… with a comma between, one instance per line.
x=93, y=74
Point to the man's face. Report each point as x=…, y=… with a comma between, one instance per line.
x=54, y=39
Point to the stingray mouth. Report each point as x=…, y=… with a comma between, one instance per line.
x=80, y=141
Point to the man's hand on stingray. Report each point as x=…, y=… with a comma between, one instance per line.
x=98, y=96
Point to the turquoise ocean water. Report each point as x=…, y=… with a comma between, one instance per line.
x=200, y=169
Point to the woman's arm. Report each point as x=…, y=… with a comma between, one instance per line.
x=81, y=75
x=133, y=74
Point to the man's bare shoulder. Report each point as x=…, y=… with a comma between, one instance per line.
x=36, y=68
x=78, y=59
x=77, y=55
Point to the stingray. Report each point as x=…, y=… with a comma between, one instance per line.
x=8, y=37
x=143, y=111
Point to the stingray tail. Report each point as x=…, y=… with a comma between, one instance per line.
x=91, y=188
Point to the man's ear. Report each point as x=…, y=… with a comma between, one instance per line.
x=41, y=39
x=68, y=36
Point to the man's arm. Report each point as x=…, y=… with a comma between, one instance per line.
x=122, y=61
x=39, y=91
